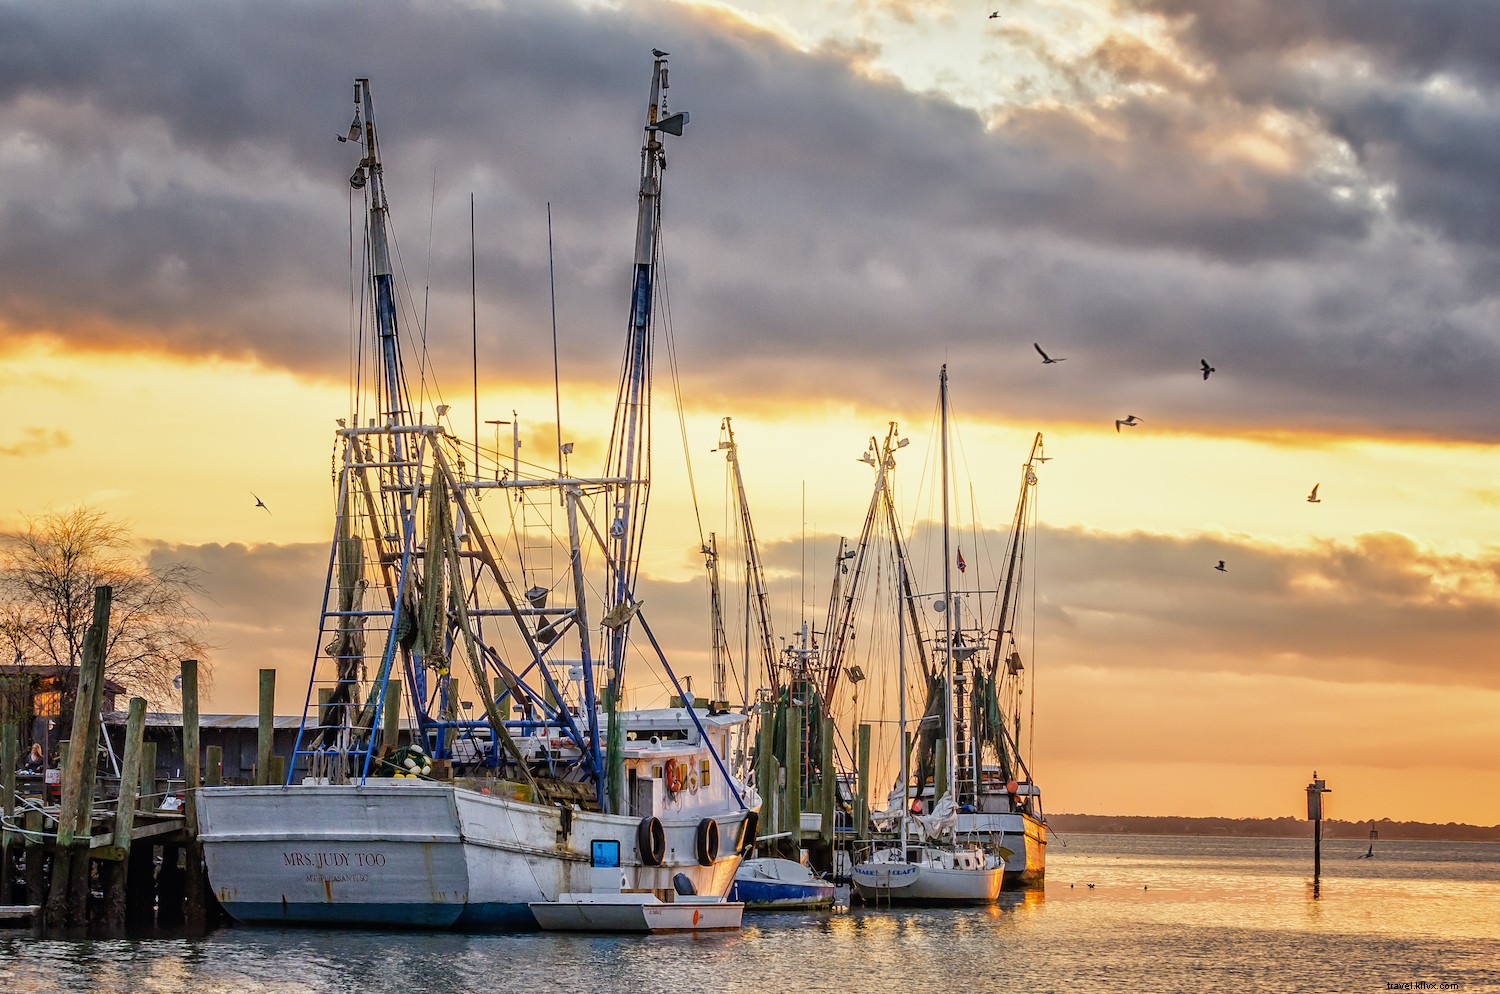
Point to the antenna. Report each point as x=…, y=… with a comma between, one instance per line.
x=474, y=329
x=556, y=378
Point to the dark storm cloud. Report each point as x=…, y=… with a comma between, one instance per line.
x=173, y=183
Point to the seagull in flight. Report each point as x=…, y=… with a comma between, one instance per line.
x=260, y=503
x=1313, y=497
x=1206, y=368
x=994, y=15
x=1221, y=567
x=1046, y=359
x=1129, y=421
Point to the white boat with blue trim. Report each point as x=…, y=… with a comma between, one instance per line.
x=508, y=667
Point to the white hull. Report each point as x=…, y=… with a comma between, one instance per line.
x=924, y=884
x=637, y=913
x=1023, y=835
x=427, y=854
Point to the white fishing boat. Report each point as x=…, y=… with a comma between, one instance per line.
x=486, y=808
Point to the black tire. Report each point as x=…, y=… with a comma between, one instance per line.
x=651, y=839
x=748, y=828
x=706, y=842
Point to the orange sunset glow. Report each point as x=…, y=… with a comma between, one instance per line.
x=863, y=196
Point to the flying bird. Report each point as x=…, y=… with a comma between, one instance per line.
x=1221, y=567
x=1206, y=368
x=1129, y=421
x=260, y=503
x=1046, y=359
x=994, y=15
x=1313, y=498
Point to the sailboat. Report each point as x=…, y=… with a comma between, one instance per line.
x=946, y=871
x=518, y=779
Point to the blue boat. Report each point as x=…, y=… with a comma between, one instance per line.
x=769, y=882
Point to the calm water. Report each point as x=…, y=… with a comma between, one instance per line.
x=1164, y=914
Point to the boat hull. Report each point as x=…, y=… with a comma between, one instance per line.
x=1023, y=835
x=413, y=853
x=770, y=883
x=636, y=913
x=918, y=884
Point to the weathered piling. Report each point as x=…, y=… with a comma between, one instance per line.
x=67, y=901
x=195, y=881
x=862, y=806
x=116, y=871
x=7, y=803
x=213, y=767
x=36, y=858
x=766, y=773
x=266, y=727
x=829, y=784
x=794, y=774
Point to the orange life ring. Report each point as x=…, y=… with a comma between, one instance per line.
x=674, y=775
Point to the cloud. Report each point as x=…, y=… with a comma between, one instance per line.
x=36, y=441
x=1220, y=187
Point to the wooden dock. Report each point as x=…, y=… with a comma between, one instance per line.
x=103, y=838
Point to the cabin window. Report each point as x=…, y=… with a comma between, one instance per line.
x=656, y=771
x=703, y=773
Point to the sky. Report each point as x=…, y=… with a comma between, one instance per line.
x=1304, y=196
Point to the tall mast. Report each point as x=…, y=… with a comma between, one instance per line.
x=950, y=737
x=630, y=442
x=755, y=574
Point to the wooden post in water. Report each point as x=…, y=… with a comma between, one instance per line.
x=149, y=800
x=267, y=727
x=794, y=775
x=36, y=854
x=213, y=769
x=391, y=730
x=7, y=803
x=195, y=882
x=829, y=783
x=67, y=902
x=766, y=774
x=862, y=807
x=118, y=871
x=1315, y=792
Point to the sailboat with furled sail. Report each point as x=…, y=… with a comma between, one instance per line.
x=518, y=776
x=943, y=867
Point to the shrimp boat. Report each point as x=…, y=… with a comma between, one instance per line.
x=979, y=829
x=406, y=802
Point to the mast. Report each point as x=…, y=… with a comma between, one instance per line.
x=369, y=170
x=630, y=441
x=901, y=703
x=755, y=574
x=950, y=733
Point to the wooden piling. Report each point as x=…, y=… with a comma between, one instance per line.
x=794, y=775
x=7, y=803
x=828, y=797
x=36, y=855
x=266, y=727
x=213, y=769
x=118, y=870
x=194, y=874
x=862, y=806
x=150, y=796
x=766, y=773
x=391, y=731
x=67, y=901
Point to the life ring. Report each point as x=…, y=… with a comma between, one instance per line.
x=692, y=783
x=651, y=839
x=706, y=842
x=748, y=829
x=674, y=775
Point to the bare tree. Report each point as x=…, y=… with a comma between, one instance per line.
x=48, y=573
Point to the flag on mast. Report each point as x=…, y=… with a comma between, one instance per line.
x=961, y=564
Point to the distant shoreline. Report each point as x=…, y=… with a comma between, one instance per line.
x=1272, y=828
